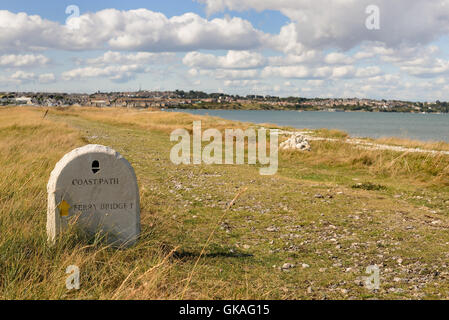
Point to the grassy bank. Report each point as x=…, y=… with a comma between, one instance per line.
x=330, y=212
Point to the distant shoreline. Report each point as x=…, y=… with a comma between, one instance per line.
x=425, y=128
x=320, y=111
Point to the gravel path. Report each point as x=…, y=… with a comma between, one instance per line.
x=365, y=144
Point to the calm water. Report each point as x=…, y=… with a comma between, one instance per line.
x=358, y=124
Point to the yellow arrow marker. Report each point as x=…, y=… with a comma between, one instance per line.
x=64, y=208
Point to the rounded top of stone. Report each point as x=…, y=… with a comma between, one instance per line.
x=79, y=152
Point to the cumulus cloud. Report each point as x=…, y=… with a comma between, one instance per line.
x=236, y=74
x=426, y=69
x=312, y=49
x=419, y=61
x=25, y=60
x=23, y=77
x=310, y=57
x=22, y=32
x=226, y=74
x=338, y=58
x=326, y=72
x=113, y=57
x=298, y=72
x=117, y=66
x=287, y=41
x=138, y=30
x=232, y=60
x=341, y=23
x=114, y=73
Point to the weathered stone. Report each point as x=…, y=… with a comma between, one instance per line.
x=287, y=266
x=296, y=142
x=95, y=188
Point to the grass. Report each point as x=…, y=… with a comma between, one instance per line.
x=330, y=133
x=369, y=186
x=432, y=145
x=307, y=214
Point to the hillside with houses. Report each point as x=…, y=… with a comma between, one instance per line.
x=199, y=100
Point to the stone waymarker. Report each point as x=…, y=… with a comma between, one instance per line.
x=97, y=188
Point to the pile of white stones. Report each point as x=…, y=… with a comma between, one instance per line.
x=296, y=142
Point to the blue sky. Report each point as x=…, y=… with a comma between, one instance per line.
x=282, y=47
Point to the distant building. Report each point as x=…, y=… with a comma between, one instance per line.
x=24, y=100
x=99, y=103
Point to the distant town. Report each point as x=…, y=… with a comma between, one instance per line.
x=200, y=100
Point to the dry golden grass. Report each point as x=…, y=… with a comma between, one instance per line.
x=150, y=120
x=331, y=133
x=431, y=145
x=419, y=168
x=29, y=148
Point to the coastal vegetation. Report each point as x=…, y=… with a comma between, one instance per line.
x=308, y=232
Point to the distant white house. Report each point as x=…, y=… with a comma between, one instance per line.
x=24, y=100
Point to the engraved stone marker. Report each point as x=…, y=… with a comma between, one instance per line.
x=97, y=188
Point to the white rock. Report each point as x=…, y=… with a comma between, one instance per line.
x=296, y=142
x=96, y=188
x=287, y=266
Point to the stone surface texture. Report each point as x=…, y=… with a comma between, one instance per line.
x=99, y=188
x=296, y=142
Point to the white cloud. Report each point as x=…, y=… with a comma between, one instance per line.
x=437, y=67
x=299, y=72
x=21, y=32
x=368, y=72
x=312, y=47
x=139, y=30
x=117, y=66
x=420, y=61
x=310, y=56
x=341, y=23
x=338, y=58
x=193, y=72
x=23, y=76
x=364, y=55
x=287, y=41
x=114, y=73
x=226, y=74
x=304, y=72
x=25, y=60
x=232, y=60
x=112, y=57
x=236, y=74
